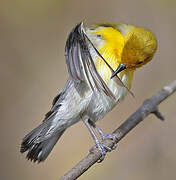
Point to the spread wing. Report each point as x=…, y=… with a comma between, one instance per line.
x=80, y=64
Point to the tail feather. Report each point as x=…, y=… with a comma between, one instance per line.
x=39, y=150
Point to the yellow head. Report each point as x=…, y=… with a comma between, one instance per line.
x=121, y=43
x=140, y=46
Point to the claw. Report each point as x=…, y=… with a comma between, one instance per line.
x=114, y=147
x=109, y=136
x=100, y=147
x=103, y=149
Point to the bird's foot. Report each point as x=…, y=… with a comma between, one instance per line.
x=103, y=149
x=109, y=136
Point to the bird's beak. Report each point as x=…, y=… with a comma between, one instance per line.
x=120, y=68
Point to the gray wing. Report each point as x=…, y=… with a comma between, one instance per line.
x=79, y=61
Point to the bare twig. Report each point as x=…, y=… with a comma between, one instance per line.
x=149, y=106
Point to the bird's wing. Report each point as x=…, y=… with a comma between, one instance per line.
x=79, y=61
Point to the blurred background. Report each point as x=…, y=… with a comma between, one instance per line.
x=33, y=71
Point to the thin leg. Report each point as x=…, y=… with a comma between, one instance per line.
x=100, y=146
x=102, y=134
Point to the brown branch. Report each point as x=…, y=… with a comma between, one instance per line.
x=149, y=106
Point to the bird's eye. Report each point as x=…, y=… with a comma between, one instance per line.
x=140, y=62
x=99, y=36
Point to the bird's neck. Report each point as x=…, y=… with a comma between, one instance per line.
x=112, y=59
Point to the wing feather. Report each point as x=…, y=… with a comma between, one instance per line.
x=80, y=64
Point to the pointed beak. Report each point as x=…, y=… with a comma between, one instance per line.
x=120, y=68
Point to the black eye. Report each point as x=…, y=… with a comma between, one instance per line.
x=99, y=36
x=140, y=62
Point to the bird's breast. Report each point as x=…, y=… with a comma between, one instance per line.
x=100, y=103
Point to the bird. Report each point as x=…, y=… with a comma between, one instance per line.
x=101, y=61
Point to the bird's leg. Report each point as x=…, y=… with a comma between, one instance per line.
x=104, y=135
x=103, y=148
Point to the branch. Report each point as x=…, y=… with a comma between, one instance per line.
x=149, y=106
